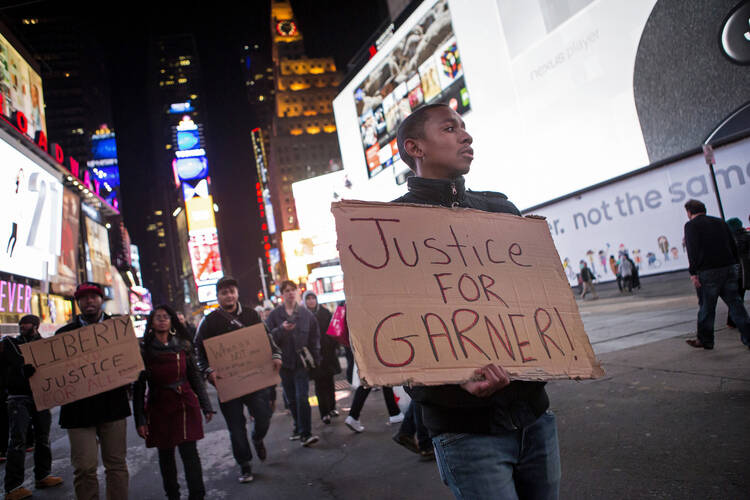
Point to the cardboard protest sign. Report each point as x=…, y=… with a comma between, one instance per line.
x=84, y=362
x=242, y=362
x=434, y=293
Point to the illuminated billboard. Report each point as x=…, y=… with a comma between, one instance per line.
x=21, y=89
x=190, y=167
x=98, y=260
x=31, y=204
x=66, y=279
x=564, y=93
x=424, y=67
x=104, y=165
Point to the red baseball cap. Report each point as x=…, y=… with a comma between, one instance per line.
x=88, y=287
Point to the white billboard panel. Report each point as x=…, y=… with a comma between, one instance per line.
x=644, y=214
x=551, y=86
x=30, y=215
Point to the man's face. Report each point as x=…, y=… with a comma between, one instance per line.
x=27, y=328
x=311, y=302
x=290, y=295
x=445, y=148
x=90, y=304
x=228, y=297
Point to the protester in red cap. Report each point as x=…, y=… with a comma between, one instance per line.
x=97, y=420
x=23, y=414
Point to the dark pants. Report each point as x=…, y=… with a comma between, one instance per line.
x=258, y=405
x=360, y=396
x=296, y=385
x=730, y=323
x=21, y=414
x=3, y=423
x=349, y=363
x=721, y=282
x=413, y=424
x=193, y=472
x=325, y=390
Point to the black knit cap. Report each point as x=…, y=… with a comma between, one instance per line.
x=30, y=318
x=225, y=282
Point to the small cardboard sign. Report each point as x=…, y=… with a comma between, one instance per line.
x=433, y=293
x=81, y=363
x=242, y=362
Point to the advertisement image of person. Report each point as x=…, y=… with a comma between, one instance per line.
x=296, y=331
x=603, y=260
x=229, y=316
x=590, y=256
x=170, y=416
x=16, y=203
x=715, y=272
x=663, y=243
x=23, y=415
x=493, y=437
x=614, y=265
x=97, y=422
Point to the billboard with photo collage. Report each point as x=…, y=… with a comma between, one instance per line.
x=424, y=67
x=21, y=88
x=98, y=260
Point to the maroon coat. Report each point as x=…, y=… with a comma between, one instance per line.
x=176, y=394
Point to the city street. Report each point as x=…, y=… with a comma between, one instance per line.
x=663, y=419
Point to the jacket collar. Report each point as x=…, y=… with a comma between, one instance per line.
x=446, y=192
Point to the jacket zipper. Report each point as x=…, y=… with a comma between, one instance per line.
x=454, y=191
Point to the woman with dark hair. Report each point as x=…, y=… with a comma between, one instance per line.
x=170, y=416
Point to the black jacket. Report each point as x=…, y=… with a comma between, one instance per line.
x=449, y=408
x=216, y=324
x=709, y=244
x=15, y=376
x=193, y=377
x=329, y=359
x=94, y=410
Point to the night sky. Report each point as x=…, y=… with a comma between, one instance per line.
x=337, y=28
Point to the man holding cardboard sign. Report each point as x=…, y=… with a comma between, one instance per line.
x=228, y=317
x=97, y=421
x=434, y=293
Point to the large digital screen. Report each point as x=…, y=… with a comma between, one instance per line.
x=104, y=148
x=564, y=93
x=195, y=167
x=200, y=214
x=98, y=260
x=31, y=200
x=188, y=139
x=205, y=257
x=424, y=67
x=21, y=88
x=66, y=279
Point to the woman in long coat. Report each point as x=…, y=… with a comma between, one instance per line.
x=168, y=415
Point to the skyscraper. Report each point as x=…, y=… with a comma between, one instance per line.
x=303, y=139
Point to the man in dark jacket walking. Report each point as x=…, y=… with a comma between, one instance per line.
x=493, y=437
x=715, y=272
x=295, y=330
x=96, y=421
x=230, y=316
x=22, y=413
x=325, y=387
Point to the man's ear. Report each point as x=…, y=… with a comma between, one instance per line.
x=413, y=148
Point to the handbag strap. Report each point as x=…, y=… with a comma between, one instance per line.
x=232, y=320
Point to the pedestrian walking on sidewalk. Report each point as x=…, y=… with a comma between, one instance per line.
x=413, y=435
x=22, y=414
x=295, y=330
x=170, y=416
x=96, y=423
x=493, y=438
x=587, y=280
x=325, y=387
x=230, y=316
x=715, y=272
x=625, y=270
x=358, y=402
x=742, y=240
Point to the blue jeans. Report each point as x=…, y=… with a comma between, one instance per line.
x=523, y=463
x=259, y=407
x=21, y=414
x=296, y=384
x=721, y=282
